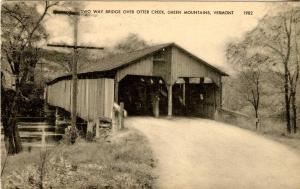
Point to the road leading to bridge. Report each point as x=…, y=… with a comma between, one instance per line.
x=198, y=153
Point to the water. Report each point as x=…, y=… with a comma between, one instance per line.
x=38, y=134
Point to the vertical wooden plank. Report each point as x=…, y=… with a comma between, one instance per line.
x=87, y=99
x=83, y=110
x=101, y=97
x=78, y=98
x=110, y=101
x=91, y=100
x=95, y=100
x=97, y=104
x=105, y=96
x=80, y=101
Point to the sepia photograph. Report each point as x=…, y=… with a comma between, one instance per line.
x=150, y=95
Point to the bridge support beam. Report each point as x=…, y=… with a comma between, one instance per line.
x=90, y=130
x=183, y=93
x=116, y=95
x=156, y=106
x=170, y=100
x=186, y=94
x=98, y=128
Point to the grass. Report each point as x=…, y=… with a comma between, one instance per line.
x=270, y=128
x=125, y=160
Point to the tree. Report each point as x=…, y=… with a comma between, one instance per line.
x=251, y=82
x=277, y=36
x=22, y=30
x=132, y=42
x=249, y=65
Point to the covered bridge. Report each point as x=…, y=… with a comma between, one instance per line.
x=163, y=79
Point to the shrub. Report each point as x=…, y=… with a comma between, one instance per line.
x=125, y=160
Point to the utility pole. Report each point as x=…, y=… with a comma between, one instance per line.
x=75, y=15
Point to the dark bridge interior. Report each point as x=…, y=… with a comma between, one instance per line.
x=138, y=93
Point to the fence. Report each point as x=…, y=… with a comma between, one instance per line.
x=235, y=118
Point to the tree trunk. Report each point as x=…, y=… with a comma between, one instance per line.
x=287, y=113
x=287, y=101
x=15, y=136
x=11, y=132
x=294, y=111
x=257, y=120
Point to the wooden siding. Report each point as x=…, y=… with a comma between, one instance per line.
x=94, y=97
x=184, y=65
x=142, y=67
x=162, y=68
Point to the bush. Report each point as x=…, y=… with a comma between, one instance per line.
x=123, y=161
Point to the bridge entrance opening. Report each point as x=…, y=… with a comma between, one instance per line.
x=194, y=97
x=143, y=95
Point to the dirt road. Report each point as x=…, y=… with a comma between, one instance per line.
x=199, y=153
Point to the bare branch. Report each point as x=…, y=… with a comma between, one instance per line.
x=12, y=14
x=9, y=60
x=297, y=58
x=288, y=35
x=47, y=6
x=275, y=50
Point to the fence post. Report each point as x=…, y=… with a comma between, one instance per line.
x=121, y=116
x=43, y=140
x=57, y=116
x=89, y=130
x=114, y=121
x=98, y=128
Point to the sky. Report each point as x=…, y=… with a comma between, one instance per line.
x=205, y=36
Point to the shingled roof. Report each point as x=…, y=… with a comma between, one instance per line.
x=120, y=60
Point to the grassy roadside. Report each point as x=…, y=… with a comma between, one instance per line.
x=125, y=160
x=271, y=129
x=291, y=141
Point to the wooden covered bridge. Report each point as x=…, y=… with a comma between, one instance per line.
x=163, y=79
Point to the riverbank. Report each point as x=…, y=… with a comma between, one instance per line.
x=124, y=160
